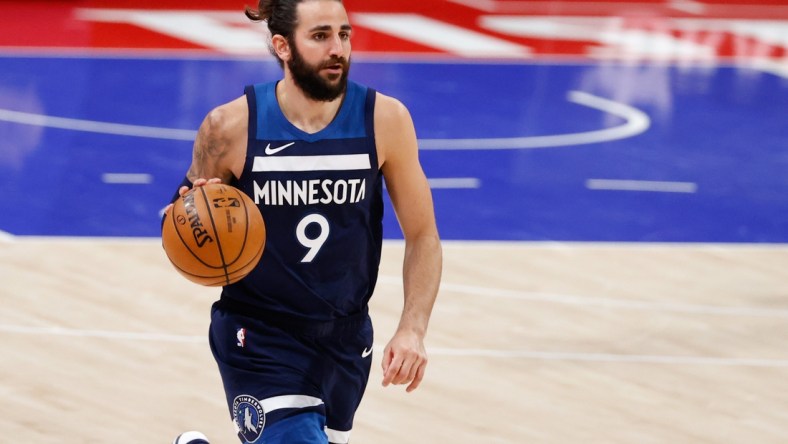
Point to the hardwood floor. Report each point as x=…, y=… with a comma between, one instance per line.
x=102, y=341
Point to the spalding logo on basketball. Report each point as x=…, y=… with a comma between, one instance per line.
x=214, y=235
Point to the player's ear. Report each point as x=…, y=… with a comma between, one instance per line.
x=281, y=47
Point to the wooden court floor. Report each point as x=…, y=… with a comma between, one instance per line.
x=102, y=341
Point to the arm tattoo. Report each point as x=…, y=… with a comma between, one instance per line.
x=207, y=150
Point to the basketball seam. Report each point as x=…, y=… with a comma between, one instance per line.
x=188, y=248
x=215, y=233
x=246, y=225
x=246, y=229
x=175, y=227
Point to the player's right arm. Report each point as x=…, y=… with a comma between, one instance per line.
x=219, y=149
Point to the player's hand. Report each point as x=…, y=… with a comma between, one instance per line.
x=198, y=183
x=184, y=189
x=404, y=360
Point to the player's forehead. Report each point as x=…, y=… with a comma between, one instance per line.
x=321, y=14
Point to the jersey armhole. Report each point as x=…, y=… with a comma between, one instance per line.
x=251, y=100
x=369, y=112
x=369, y=122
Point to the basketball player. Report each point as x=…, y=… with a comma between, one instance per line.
x=293, y=339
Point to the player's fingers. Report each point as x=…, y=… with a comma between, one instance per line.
x=402, y=372
x=167, y=209
x=409, y=368
x=414, y=369
x=214, y=180
x=392, y=370
x=419, y=376
x=384, y=364
x=183, y=190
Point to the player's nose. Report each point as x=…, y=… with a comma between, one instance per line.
x=337, y=48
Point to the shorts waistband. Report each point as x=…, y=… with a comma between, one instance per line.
x=291, y=323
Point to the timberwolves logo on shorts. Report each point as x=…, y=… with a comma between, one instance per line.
x=249, y=417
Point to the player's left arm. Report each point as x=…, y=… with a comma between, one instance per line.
x=405, y=357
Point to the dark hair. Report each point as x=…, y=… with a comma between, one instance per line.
x=279, y=15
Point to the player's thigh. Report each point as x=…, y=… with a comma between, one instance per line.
x=348, y=365
x=269, y=376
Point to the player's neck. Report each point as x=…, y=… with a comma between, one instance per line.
x=304, y=113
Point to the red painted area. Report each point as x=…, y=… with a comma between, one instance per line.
x=31, y=24
x=54, y=24
x=369, y=41
x=219, y=5
x=122, y=35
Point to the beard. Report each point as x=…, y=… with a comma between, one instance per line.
x=308, y=78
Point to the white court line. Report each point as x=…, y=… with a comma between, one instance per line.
x=6, y=236
x=92, y=126
x=224, y=31
x=688, y=6
x=641, y=185
x=610, y=357
x=457, y=244
x=440, y=35
x=482, y=5
x=455, y=182
x=101, y=334
x=434, y=351
x=608, y=303
x=127, y=178
x=524, y=6
x=636, y=122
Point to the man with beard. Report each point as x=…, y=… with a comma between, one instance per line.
x=293, y=339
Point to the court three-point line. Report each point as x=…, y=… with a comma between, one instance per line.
x=641, y=185
x=92, y=126
x=635, y=123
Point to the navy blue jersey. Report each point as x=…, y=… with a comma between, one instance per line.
x=320, y=195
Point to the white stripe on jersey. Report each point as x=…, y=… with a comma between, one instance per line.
x=337, y=162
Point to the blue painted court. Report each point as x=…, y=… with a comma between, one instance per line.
x=570, y=151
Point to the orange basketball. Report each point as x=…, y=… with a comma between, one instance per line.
x=214, y=235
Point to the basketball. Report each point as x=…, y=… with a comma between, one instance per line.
x=214, y=235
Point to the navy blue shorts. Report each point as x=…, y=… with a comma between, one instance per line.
x=290, y=382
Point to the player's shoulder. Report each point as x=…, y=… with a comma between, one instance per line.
x=227, y=118
x=394, y=130
x=389, y=108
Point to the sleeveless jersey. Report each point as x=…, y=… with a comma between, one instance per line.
x=320, y=196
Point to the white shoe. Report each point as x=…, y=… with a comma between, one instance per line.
x=192, y=437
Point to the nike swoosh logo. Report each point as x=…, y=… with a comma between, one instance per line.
x=366, y=352
x=269, y=150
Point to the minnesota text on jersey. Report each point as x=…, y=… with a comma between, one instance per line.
x=310, y=192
